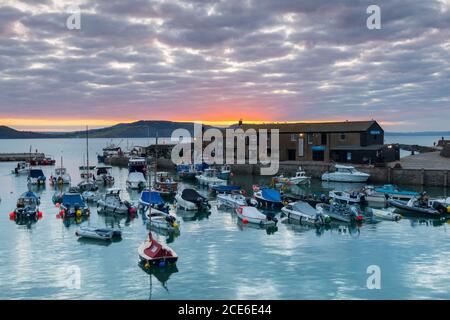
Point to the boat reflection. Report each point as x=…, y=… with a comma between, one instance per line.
x=269, y=229
x=193, y=215
x=352, y=229
x=70, y=221
x=427, y=222
x=97, y=242
x=160, y=274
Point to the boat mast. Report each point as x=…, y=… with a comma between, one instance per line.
x=87, y=153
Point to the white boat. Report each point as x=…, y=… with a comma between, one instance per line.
x=161, y=220
x=345, y=174
x=103, y=175
x=305, y=213
x=252, y=215
x=21, y=168
x=90, y=196
x=388, y=191
x=347, y=197
x=209, y=177
x=98, y=233
x=191, y=200
x=300, y=177
x=235, y=200
x=60, y=177
x=136, y=180
x=386, y=214
x=111, y=202
x=36, y=177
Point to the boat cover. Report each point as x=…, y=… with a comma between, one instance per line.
x=191, y=195
x=271, y=195
x=389, y=188
x=36, y=173
x=304, y=208
x=29, y=194
x=226, y=188
x=252, y=212
x=70, y=199
x=136, y=176
x=156, y=250
x=151, y=197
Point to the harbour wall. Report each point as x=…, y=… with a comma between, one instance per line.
x=20, y=156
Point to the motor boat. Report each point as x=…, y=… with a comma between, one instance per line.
x=268, y=198
x=162, y=221
x=419, y=206
x=42, y=162
x=98, y=233
x=111, y=202
x=386, y=214
x=191, y=200
x=340, y=212
x=345, y=174
x=305, y=213
x=109, y=151
x=253, y=215
x=21, y=168
x=137, y=164
x=152, y=253
x=210, y=178
x=348, y=197
x=87, y=172
x=103, y=175
x=136, y=181
x=388, y=191
x=225, y=189
x=187, y=172
x=443, y=201
x=73, y=205
x=165, y=184
x=27, y=207
x=235, y=200
x=151, y=198
x=36, y=177
x=299, y=178
x=60, y=177
x=312, y=199
x=90, y=196
x=224, y=173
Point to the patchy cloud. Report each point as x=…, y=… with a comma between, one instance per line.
x=225, y=60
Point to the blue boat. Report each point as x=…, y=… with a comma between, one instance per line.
x=393, y=192
x=225, y=189
x=153, y=199
x=268, y=198
x=36, y=177
x=73, y=205
x=27, y=206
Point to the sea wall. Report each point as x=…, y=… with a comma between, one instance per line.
x=21, y=156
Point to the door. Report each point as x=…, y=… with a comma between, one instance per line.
x=318, y=155
x=291, y=154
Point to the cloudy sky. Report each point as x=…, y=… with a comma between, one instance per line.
x=221, y=60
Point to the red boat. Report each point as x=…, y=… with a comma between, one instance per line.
x=42, y=162
x=152, y=253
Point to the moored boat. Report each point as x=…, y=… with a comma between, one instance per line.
x=388, y=191
x=165, y=184
x=73, y=205
x=60, y=176
x=345, y=174
x=386, y=214
x=419, y=206
x=235, y=200
x=136, y=181
x=209, y=178
x=111, y=202
x=152, y=199
x=348, y=197
x=103, y=175
x=191, y=200
x=21, y=168
x=268, y=198
x=340, y=212
x=224, y=172
x=253, y=215
x=36, y=177
x=98, y=233
x=162, y=221
x=305, y=213
x=27, y=207
x=152, y=253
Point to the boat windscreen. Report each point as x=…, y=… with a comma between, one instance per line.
x=305, y=208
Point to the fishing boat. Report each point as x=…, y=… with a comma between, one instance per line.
x=98, y=233
x=187, y=172
x=36, y=177
x=388, y=191
x=348, y=197
x=268, y=198
x=339, y=212
x=60, y=176
x=88, y=187
x=152, y=253
x=42, y=162
x=109, y=151
x=152, y=199
x=111, y=202
x=386, y=214
x=103, y=175
x=137, y=164
x=224, y=172
x=345, y=174
x=191, y=200
x=209, y=178
x=73, y=205
x=419, y=206
x=162, y=221
x=21, y=168
x=300, y=177
x=235, y=200
x=253, y=215
x=165, y=184
x=305, y=213
x=27, y=207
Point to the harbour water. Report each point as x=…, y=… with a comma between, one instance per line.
x=219, y=258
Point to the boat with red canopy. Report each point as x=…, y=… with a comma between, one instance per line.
x=151, y=252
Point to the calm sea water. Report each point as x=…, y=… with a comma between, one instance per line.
x=218, y=257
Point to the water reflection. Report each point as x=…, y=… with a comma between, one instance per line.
x=162, y=275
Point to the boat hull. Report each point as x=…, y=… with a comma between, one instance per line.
x=334, y=177
x=405, y=209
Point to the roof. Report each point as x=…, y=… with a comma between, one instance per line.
x=343, y=126
x=373, y=147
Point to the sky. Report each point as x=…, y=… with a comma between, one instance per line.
x=219, y=61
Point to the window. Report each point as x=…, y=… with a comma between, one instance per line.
x=323, y=139
x=293, y=137
x=342, y=136
x=349, y=156
x=310, y=138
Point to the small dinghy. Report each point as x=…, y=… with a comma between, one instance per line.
x=304, y=213
x=152, y=253
x=111, y=202
x=268, y=198
x=152, y=199
x=27, y=207
x=191, y=200
x=98, y=233
x=253, y=215
x=340, y=212
x=419, y=206
x=162, y=221
x=348, y=197
x=386, y=214
x=235, y=200
x=73, y=206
